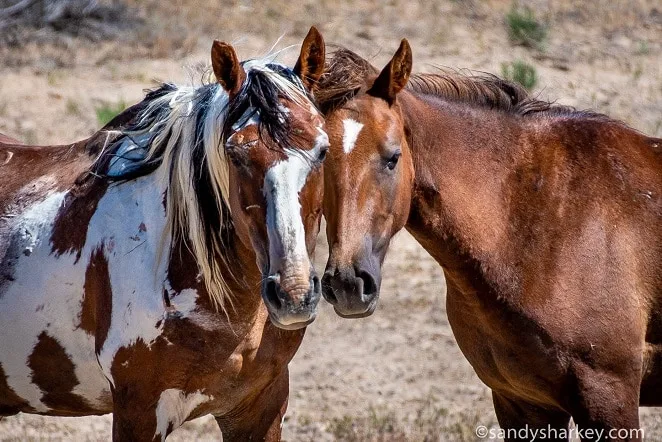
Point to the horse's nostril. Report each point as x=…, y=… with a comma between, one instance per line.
x=327, y=290
x=271, y=291
x=316, y=284
x=369, y=285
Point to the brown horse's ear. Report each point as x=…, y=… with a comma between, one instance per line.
x=310, y=64
x=228, y=70
x=395, y=74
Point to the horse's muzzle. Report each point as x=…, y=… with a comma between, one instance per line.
x=291, y=307
x=353, y=292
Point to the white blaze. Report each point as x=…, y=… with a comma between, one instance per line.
x=282, y=184
x=350, y=134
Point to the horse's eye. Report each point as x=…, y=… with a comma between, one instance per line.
x=393, y=161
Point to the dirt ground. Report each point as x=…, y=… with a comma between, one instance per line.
x=399, y=374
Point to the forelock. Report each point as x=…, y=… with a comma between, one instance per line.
x=260, y=99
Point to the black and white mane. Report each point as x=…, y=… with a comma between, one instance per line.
x=180, y=132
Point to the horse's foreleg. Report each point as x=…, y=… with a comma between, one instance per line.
x=259, y=418
x=607, y=404
x=134, y=423
x=133, y=418
x=522, y=421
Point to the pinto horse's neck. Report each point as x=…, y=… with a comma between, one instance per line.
x=181, y=272
x=460, y=207
x=245, y=303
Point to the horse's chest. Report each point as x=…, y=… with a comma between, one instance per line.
x=508, y=352
x=254, y=363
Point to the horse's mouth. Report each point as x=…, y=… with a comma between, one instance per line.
x=369, y=311
x=294, y=325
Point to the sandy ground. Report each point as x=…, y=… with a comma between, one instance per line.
x=399, y=374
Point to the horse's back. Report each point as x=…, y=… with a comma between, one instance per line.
x=28, y=175
x=30, y=171
x=27, y=170
x=594, y=163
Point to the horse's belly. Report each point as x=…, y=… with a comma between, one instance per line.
x=47, y=357
x=51, y=372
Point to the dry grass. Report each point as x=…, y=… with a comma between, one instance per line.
x=428, y=423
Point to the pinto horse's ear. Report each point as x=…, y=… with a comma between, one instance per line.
x=395, y=74
x=228, y=70
x=310, y=64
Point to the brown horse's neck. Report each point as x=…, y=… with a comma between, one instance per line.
x=462, y=158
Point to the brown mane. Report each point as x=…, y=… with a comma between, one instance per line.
x=347, y=74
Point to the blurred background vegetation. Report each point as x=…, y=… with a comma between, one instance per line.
x=522, y=41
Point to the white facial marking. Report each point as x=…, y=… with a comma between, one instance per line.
x=282, y=185
x=350, y=134
x=174, y=407
x=321, y=141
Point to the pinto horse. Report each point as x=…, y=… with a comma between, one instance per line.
x=546, y=221
x=134, y=264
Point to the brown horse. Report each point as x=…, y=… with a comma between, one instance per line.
x=133, y=265
x=546, y=221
